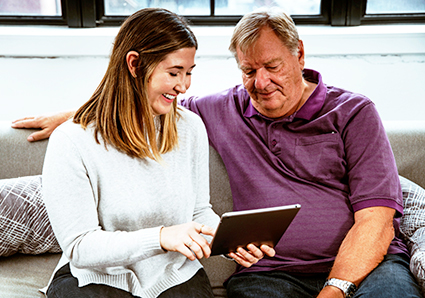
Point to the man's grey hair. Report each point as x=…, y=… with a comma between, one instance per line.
x=248, y=30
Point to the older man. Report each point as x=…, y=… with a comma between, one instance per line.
x=286, y=137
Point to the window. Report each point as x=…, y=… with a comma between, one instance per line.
x=92, y=13
x=31, y=11
x=395, y=6
x=221, y=7
x=393, y=11
x=31, y=8
x=214, y=12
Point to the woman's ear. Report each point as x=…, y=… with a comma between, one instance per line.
x=132, y=58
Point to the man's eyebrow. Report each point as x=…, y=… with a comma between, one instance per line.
x=273, y=61
x=248, y=68
x=245, y=68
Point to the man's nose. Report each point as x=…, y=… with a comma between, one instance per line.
x=262, y=78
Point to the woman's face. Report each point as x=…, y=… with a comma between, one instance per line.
x=170, y=78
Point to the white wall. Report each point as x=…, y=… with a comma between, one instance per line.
x=47, y=69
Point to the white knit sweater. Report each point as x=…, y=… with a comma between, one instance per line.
x=107, y=208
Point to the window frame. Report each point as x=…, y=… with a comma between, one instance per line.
x=91, y=13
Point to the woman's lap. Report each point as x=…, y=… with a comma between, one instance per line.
x=65, y=285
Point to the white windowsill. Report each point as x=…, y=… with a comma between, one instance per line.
x=55, y=41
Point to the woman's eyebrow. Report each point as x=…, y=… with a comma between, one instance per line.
x=181, y=67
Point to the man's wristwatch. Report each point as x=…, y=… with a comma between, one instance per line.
x=348, y=288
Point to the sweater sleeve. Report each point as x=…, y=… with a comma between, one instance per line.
x=203, y=212
x=70, y=199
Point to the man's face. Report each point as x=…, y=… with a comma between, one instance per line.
x=272, y=75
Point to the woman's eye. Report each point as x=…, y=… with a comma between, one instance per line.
x=173, y=74
x=188, y=73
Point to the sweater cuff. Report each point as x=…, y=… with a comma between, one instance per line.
x=150, y=241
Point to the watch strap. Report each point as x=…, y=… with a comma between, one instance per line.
x=348, y=288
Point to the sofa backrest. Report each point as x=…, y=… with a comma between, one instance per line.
x=407, y=140
x=18, y=156
x=21, y=158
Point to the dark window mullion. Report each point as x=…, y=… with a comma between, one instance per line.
x=347, y=12
x=73, y=11
x=88, y=13
x=81, y=13
x=212, y=8
x=339, y=12
x=355, y=11
x=325, y=10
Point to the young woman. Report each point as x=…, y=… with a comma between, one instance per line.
x=126, y=181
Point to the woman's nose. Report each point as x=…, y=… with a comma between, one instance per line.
x=182, y=85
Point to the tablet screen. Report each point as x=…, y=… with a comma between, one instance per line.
x=258, y=226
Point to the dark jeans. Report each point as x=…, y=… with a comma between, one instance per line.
x=64, y=285
x=392, y=278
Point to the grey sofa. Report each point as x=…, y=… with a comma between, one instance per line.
x=22, y=275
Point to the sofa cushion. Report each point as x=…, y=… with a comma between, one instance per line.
x=412, y=227
x=24, y=275
x=414, y=207
x=24, y=224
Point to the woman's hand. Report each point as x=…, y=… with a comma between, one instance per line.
x=46, y=123
x=251, y=257
x=186, y=239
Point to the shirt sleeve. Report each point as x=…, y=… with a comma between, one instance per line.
x=372, y=172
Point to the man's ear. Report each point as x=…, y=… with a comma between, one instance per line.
x=301, y=54
x=132, y=57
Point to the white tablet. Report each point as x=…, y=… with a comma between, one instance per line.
x=258, y=226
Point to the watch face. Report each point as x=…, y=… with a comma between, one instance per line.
x=350, y=291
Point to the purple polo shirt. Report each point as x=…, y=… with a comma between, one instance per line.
x=332, y=156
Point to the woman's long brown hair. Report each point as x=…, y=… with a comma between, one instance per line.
x=119, y=109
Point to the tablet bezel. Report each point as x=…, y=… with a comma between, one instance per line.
x=257, y=226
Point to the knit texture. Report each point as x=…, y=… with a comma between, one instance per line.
x=107, y=208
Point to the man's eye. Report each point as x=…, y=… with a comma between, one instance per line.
x=188, y=73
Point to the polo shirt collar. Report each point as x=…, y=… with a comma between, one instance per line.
x=313, y=104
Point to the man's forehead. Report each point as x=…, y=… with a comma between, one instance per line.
x=265, y=50
x=250, y=60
